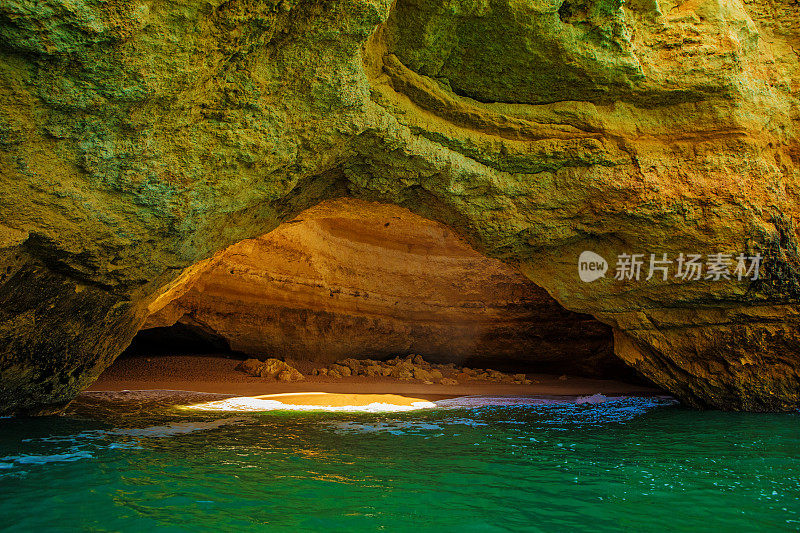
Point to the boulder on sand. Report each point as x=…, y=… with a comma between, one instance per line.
x=271, y=368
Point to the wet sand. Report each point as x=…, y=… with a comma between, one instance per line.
x=219, y=375
x=339, y=400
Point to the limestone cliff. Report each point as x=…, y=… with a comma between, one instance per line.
x=349, y=278
x=139, y=138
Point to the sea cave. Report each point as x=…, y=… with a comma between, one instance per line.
x=349, y=279
x=311, y=265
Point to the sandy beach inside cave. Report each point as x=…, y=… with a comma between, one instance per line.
x=202, y=373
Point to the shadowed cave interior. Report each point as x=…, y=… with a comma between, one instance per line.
x=350, y=278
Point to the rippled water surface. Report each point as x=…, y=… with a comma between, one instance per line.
x=619, y=465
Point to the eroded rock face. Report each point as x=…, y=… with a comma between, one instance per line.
x=139, y=138
x=349, y=278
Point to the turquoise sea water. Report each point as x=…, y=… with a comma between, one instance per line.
x=629, y=464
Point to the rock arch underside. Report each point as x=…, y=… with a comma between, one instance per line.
x=138, y=139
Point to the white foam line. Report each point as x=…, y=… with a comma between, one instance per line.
x=510, y=401
x=500, y=401
x=249, y=404
x=253, y=404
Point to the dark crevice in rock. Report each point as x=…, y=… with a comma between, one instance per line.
x=183, y=337
x=571, y=11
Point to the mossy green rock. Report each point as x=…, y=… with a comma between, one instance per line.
x=137, y=138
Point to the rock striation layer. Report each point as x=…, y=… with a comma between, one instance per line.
x=140, y=138
x=349, y=278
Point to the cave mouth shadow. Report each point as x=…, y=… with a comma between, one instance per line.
x=179, y=339
x=366, y=280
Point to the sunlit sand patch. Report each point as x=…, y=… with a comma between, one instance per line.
x=316, y=401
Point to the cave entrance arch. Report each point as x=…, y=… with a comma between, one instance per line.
x=352, y=278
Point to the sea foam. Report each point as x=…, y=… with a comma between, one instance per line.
x=248, y=404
